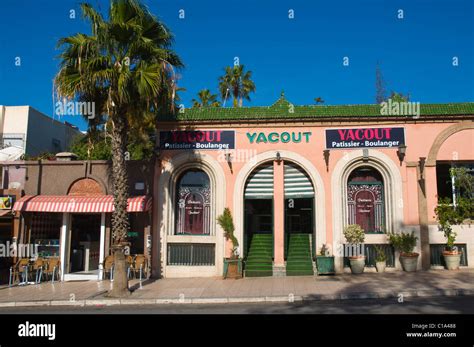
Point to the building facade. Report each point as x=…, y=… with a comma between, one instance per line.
x=292, y=176
x=64, y=208
x=25, y=130
x=290, y=171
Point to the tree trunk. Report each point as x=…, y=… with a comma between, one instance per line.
x=120, y=221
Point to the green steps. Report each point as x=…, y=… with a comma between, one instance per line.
x=259, y=261
x=299, y=261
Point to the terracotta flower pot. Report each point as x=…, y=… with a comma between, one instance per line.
x=409, y=261
x=357, y=264
x=380, y=266
x=452, y=259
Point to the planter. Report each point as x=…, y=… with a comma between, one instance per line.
x=357, y=264
x=232, y=268
x=452, y=260
x=325, y=265
x=409, y=261
x=380, y=266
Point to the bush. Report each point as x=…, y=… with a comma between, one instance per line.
x=354, y=234
x=227, y=224
x=404, y=242
x=380, y=253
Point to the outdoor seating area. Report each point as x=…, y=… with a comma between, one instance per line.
x=137, y=267
x=33, y=271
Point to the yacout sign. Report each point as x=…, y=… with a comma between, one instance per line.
x=275, y=137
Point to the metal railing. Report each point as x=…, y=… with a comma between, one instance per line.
x=191, y=254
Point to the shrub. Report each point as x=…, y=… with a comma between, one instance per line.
x=227, y=224
x=354, y=234
x=380, y=253
x=404, y=242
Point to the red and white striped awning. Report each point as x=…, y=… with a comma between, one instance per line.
x=78, y=204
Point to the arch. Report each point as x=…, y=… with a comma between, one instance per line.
x=311, y=171
x=86, y=186
x=193, y=192
x=392, y=190
x=443, y=136
x=171, y=170
x=365, y=185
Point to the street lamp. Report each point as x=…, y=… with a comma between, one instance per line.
x=402, y=149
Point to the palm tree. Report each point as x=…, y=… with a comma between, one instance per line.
x=236, y=82
x=126, y=66
x=206, y=99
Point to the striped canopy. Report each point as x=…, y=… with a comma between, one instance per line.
x=78, y=204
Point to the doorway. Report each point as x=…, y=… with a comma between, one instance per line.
x=84, y=243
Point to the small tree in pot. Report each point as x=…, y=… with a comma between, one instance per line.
x=447, y=215
x=456, y=212
x=405, y=244
x=380, y=258
x=232, y=265
x=355, y=236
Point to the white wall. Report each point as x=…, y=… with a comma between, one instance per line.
x=39, y=129
x=16, y=119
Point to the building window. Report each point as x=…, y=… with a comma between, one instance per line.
x=365, y=199
x=446, y=183
x=191, y=254
x=193, y=198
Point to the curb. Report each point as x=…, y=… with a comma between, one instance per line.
x=242, y=300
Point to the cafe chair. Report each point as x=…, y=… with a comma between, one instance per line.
x=20, y=268
x=140, y=266
x=108, y=267
x=130, y=260
x=52, y=270
x=37, y=268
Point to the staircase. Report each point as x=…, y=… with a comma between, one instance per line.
x=299, y=261
x=259, y=260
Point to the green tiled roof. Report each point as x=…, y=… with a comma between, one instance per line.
x=282, y=109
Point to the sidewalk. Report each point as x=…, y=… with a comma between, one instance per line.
x=246, y=290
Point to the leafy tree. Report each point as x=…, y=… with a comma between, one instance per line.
x=126, y=66
x=448, y=213
x=206, y=99
x=399, y=97
x=236, y=83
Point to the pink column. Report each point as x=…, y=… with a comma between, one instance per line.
x=278, y=213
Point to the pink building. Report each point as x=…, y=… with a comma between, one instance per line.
x=294, y=176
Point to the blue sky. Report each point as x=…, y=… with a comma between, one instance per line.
x=302, y=56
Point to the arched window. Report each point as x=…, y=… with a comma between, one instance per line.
x=193, y=198
x=365, y=199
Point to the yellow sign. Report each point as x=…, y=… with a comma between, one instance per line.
x=5, y=203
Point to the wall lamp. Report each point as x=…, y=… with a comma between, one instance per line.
x=326, y=153
x=228, y=159
x=278, y=158
x=422, y=166
x=402, y=150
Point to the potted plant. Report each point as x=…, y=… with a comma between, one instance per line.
x=325, y=262
x=455, y=212
x=405, y=244
x=355, y=236
x=380, y=258
x=232, y=265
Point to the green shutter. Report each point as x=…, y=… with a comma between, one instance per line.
x=260, y=183
x=297, y=183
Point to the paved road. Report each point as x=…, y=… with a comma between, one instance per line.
x=415, y=305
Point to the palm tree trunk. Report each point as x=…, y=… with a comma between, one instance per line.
x=120, y=221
